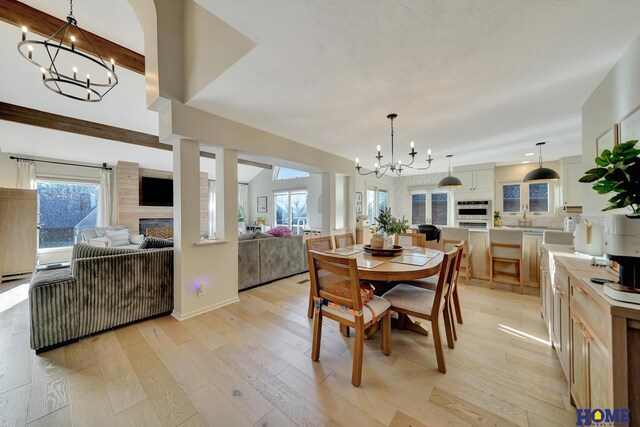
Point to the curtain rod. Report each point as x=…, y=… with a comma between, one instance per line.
x=104, y=165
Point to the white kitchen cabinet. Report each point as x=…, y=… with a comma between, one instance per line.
x=572, y=171
x=480, y=180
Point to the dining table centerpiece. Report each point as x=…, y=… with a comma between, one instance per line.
x=387, y=228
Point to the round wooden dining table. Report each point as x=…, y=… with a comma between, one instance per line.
x=393, y=268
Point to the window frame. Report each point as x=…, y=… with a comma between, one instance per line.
x=290, y=224
x=525, y=201
x=428, y=192
x=58, y=179
x=276, y=172
x=377, y=189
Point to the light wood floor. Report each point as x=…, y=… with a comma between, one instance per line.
x=249, y=364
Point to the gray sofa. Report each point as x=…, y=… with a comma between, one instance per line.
x=103, y=288
x=263, y=258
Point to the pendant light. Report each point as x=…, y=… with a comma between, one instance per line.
x=541, y=173
x=449, y=181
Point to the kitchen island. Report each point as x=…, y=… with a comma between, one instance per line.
x=531, y=252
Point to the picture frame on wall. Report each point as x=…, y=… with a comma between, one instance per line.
x=607, y=140
x=262, y=204
x=630, y=126
x=358, y=202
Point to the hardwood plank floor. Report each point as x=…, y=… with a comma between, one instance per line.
x=249, y=364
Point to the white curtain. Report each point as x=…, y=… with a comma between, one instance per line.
x=26, y=175
x=212, y=209
x=104, y=204
x=243, y=199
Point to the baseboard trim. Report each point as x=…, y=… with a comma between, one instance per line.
x=179, y=316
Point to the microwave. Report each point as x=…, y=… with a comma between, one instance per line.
x=474, y=210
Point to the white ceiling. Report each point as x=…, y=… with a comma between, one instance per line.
x=30, y=141
x=113, y=19
x=482, y=80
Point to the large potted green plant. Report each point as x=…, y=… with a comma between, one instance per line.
x=618, y=171
x=388, y=225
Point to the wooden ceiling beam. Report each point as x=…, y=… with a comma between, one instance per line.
x=43, y=24
x=43, y=119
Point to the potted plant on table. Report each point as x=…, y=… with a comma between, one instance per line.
x=389, y=226
x=497, y=219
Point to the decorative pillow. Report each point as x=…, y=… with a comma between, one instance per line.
x=89, y=234
x=102, y=231
x=118, y=238
x=342, y=288
x=245, y=236
x=156, y=243
x=261, y=235
x=136, y=239
x=280, y=232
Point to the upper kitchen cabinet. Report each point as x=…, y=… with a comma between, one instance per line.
x=477, y=182
x=572, y=171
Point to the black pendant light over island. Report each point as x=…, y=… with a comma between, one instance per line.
x=541, y=173
x=449, y=181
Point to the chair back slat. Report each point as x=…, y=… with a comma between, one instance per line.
x=343, y=240
x=320, y=244
x=335, y=279
x=412, y=239
x=444, y=280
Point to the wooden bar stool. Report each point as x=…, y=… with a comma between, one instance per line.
x=505, y=247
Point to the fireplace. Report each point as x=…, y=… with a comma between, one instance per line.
x=154, y=223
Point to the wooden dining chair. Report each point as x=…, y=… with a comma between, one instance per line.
x=428, y=304
x=319, y=244
x=412, y=239
x=337, y=296
x=451, y=236
x=343, y=240
x=505, y=247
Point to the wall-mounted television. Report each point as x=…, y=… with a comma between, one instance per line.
x=156, y=191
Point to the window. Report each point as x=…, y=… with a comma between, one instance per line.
x=281, y=173
x=539, y=197
x=291, y=210
x=430, y=208
x=511, y=198
x=535, y=197
x=66, y=208
x=377, y=200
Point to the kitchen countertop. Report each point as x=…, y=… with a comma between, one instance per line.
x=580, y=268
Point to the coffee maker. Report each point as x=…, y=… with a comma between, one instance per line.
x=622, y=245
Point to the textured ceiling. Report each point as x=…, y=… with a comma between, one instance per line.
x=482, y=80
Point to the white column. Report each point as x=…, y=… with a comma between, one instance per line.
x=205, y=273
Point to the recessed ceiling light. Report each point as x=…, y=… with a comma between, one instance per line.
x=526, y=161
x=530, y=154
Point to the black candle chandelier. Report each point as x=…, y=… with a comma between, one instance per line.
x=62, y=65
x=393, y=166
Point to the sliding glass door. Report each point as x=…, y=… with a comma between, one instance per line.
x=291, y=210
x=66, y=209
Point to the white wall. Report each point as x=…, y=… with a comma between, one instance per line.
x=264, y=185
x=386, y=182
x=616, y=96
